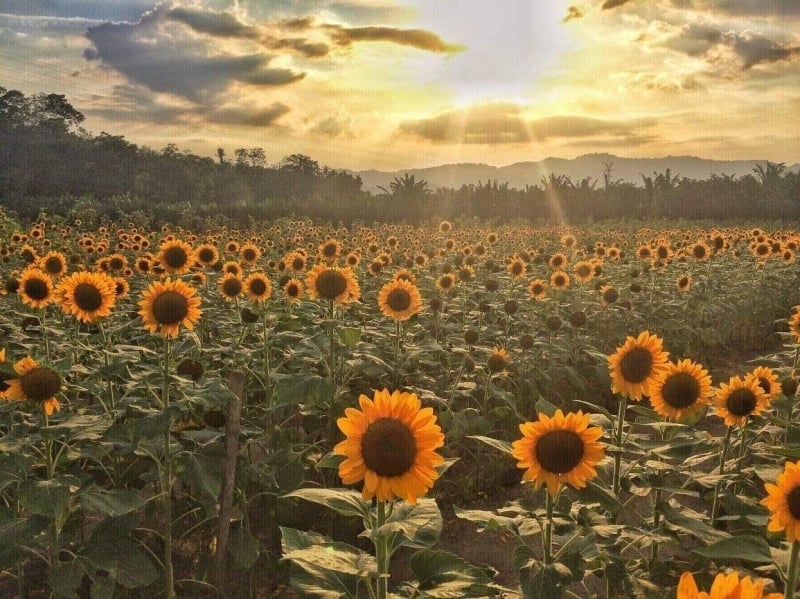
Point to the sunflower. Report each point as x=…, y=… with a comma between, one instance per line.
x=230, y=286
x=293, y=290
x=332, y=283
x=169, y=304
x=559, y=280
x=445, y=282
x=399, y=299
x=249, y=253
x=405, y=275
x=3, y=375
x=537, y=289
x=794, y=323
x=557, y=261
x=583, y=271
x=517, y=268
x=86, y=295
x=35, y=383
x=739, y=399
x=725, y=586
x=684, y=282
x=329, y=251
x=258, y=287
x=561, y=449
x=176, y=257
x=636, y=364
x=498, y=360
x=35, y=288
x=207, y=254
x=391, y=445
x=768, y=380
x=700, y=251
x=681, y=391
x=608, y=294
x=54, y=264
x=783, y=502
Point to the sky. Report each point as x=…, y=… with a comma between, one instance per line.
x=393, y=84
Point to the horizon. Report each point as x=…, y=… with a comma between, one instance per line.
x=407, y=84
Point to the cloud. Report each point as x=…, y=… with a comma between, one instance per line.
x=264, y=117
x=613, y=3
x=765, y=8
x=573, y=12
x=302, y=46
x=695, y=39
x=333, y=126
x=416, y=38
x=165, y=59
x=756, y=49
x=212, y=23
x=501, y=123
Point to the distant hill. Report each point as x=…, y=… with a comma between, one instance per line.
x=589, y=165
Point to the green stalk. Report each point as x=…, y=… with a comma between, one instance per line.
x=547, y=535
x=791, y=575
x=398, y=374
x=382, y=554
x=623, y=406
x=166, y=482
x=656, y=522
x=109, y=382
x=722, y=458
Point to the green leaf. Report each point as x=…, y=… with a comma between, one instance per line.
x=343, y=501
x=442, y=575
x=488, y=520
x=690, y=522
x=45, y=497
x=116, y=502
x=545, y=407
x=123, y=561
x=416, y=526
x=503, y=446
x=745, y=547
x=243, y=548
x=330, y=460
x=65, y=578
x=594, y=493
x=349, y=336
x=202, y=473
x=103, y=587
x=303, y=389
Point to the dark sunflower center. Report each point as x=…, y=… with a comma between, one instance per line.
x=399, y=300
x=206, y=255
x=388, y=447
x=496, y=362
x=516, y=269
x=87, y=297
x=40, y=384
x=170, y=307
x=331, y=284
x=764, y=384
x=258, y=287
x=559, y=281
x=232, y=287
x=115, y=264
x=681, y=390
x=36, y=289
x=742, y=402
x=559, y=451
x=537, y=289
x=175, y=257
x=583, y=270
x=699, y=251
x=610, y=295
x=298, y=264
x=249, y=254
x=793, y=499
x=329, y=250
x=445, y=282
x=636, y=365
x=53, y=265
x=293, y=290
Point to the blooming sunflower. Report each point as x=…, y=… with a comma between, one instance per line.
x=35, y=383
x=293, y=290
x=558, y=450
x=498, y=360
x=517, y=268
x=681, y=391
x=684, y=282
x=559, y=280
x=35, y=288
x=54, y=264
x=399, y=299
x=537, y=289
x=445, y=282
x=794, y=323
x=169, y=304
x=87, y=295
x=583, y=271
x=329, y=251
x=725, y=586
x=391, y=445
x=230, y=286
x=768, y=380
x=636, y=364
x=207, y=254
x=176, y=257
x=332, y=283
x=739, y=399
x=258, y=287
x=783, y=502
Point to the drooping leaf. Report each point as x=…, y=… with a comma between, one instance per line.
x=443, y=575
x=503, y=446
x=243, y=548
x=344, y=501
x=745, y=547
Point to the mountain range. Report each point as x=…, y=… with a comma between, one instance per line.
x=520, y=174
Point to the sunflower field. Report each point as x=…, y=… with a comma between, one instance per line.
x=302, y=410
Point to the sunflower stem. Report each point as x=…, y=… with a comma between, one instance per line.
x=166, y=482
x=547, y=536
x=656, y=522
x=791, y=574
x=722, y=459
x=109, y=382
x=623, y=406
x=382, y=553
x=267, y=375
x=398, y=371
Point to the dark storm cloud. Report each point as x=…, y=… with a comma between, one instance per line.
x=502, y=123
x=613, y=3
x=212, y=23
x=133, y=103
x=163, y=59
x=302, y=46
x=416, y=38
x=698, y=39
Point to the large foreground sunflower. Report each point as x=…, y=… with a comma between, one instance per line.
x=558, y=450
x=783, y=502
x=738, y=399
x=332, y=283
x=399, y=299
x=167, y=305
x=681, y=391
x=636, y=364
x=391, y=445
x=725, y=586
x=35, y=383
x=87, y=295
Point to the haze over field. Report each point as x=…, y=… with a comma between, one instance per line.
x=401, y=84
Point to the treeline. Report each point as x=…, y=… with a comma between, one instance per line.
x=50, y=164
